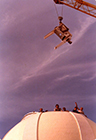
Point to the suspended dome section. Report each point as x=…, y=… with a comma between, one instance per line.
x=54, y=125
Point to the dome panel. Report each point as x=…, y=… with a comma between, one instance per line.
x=16, y=132
x=58, y=126
x=85, y=129
x=93, y=126
x=30, y=131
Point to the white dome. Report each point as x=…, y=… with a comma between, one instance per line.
x=56, y=125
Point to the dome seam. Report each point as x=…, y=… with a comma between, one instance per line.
x=38, y=125
x=77, y=125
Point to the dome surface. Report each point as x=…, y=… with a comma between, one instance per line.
x=53, y=125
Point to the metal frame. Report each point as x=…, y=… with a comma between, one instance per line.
x=80, y=5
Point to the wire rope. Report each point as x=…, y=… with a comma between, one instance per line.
x=62, y=11
x=57, y=10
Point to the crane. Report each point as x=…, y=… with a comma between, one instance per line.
x=62, y=31
x=80, y=5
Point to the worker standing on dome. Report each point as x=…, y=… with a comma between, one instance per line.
x=79, y=110
x=41, y=110
x=57, y=108
x=64, y=109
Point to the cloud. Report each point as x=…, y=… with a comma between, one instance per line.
x=49, y=59
x=93, y=77
x=83, y=29
x=66, y=77
x=82, y=74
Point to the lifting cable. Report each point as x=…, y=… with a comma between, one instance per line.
x=62, y=11
x=57, y=10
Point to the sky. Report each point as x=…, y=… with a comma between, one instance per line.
x=32, y=73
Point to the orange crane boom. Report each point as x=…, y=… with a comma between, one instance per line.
x=80, y=5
